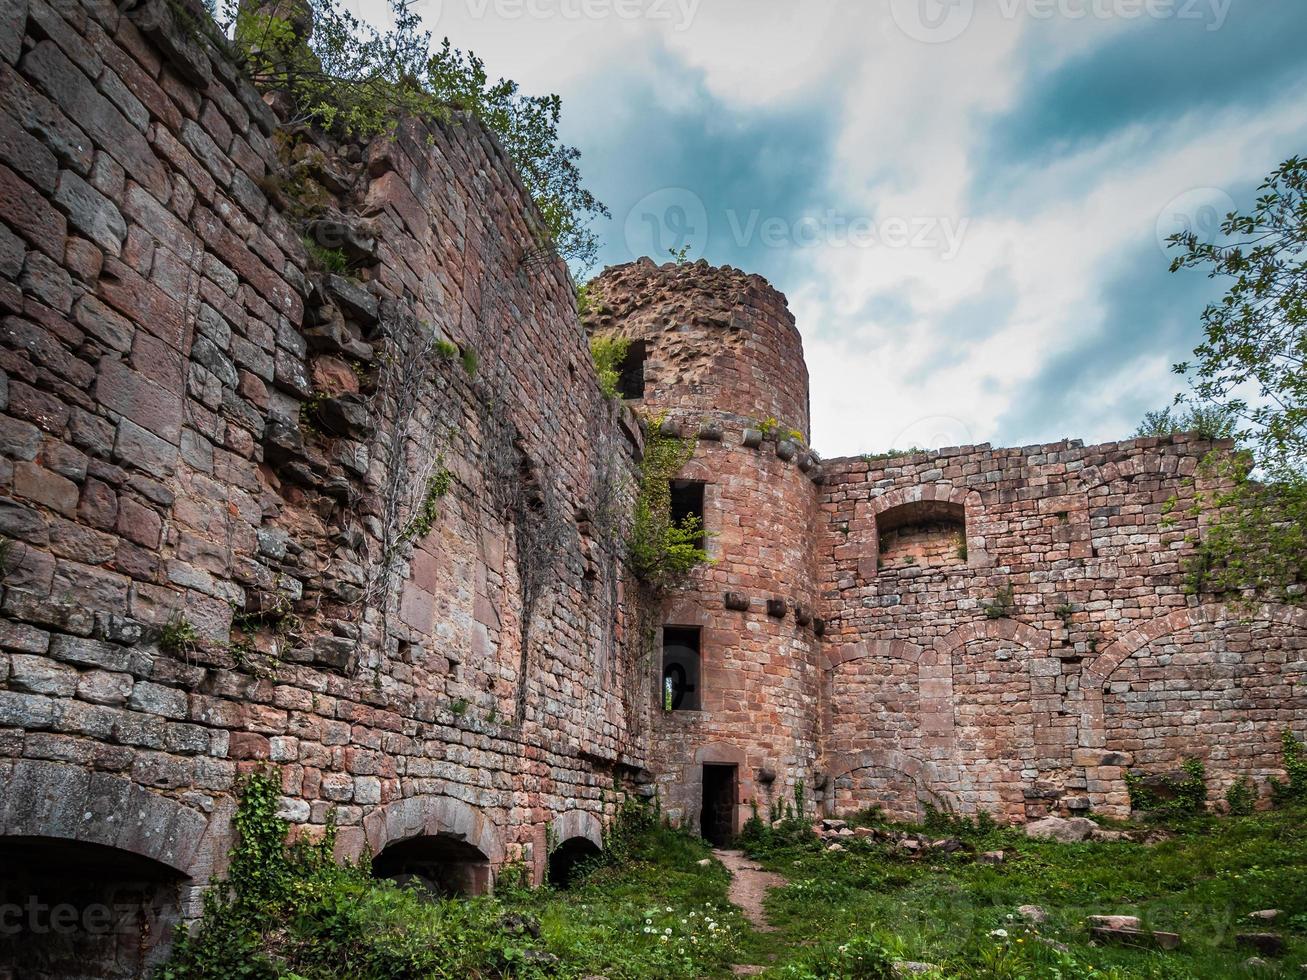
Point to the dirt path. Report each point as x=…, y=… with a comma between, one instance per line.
x=749, y=886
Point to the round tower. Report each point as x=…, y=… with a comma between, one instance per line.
x=715, y=353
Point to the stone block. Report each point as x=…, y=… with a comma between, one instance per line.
x=28, y=213
x=90, y=212
x=36, y=483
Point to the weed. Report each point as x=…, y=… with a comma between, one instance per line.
x=178, y=637
x=1241, y=797
x=1003, y=605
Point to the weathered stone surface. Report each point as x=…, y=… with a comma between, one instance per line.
x=1067, y=831
x=189, y=449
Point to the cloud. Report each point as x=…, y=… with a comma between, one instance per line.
x=1034, y=158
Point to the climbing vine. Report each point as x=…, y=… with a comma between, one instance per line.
x=661, y=552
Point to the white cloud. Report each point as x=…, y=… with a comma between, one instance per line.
x=913, y=124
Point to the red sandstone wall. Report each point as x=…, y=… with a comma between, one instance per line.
x=187, y=428
x=1102, y=661
x=721, y=342
x=723, y=356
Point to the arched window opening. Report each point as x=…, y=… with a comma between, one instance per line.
x=922, y=534
x=73, y=909
x=441, y=865
x=568, y=858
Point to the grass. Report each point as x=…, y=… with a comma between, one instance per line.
x=961, y=915
x=648, y=907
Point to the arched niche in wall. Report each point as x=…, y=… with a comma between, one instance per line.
x=1209, y=681
x=980, y=709
x=897, y=782
x=126, y=859
x=933, y=526
x=575, y=837
x=872, y=692
x=444, y=844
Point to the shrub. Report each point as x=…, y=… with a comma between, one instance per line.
x=288, y=910
x=1241, y=797
x=1295, y=766
x=1183, y=797
x=608, y=354
x=178, y=637
x=353, y=80
x=662, y=552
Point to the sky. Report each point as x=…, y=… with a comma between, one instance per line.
x=966, y=202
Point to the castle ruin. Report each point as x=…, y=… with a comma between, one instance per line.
x=366, y=526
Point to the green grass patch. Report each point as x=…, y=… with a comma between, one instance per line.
x=962, y=915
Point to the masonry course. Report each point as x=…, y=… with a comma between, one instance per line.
x=210, y=451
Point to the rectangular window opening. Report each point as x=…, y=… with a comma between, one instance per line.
x=681, y=685
x=630, y=381
x=687, y=502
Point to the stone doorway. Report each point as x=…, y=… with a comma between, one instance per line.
x=717, y=821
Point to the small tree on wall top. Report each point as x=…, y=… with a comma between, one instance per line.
x=348, y=78
x=1249, y=381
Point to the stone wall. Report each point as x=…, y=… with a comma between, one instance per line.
x=723, y=357
x=944, y=687
x=304, y=463
x=214, y=454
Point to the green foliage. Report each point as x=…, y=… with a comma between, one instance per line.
x=772, y=428
x=446, y=349
x=943, y=820
x=1241, y=797
x=1254, y=338
x=1003, y=605
x=1249, y=375
x=1208, y=421
x=858, y=958
x=438, y=485
x=1258, y=545
x=178, y=637
x=893, y=454
x=1180, y=798
x=961, y=914
x=353, y=80
x=608, y=354
x=586, y=301
x=680, y=255
x=458, y=707
x=662, y=552
x=470, y=361
x=1295, y=766
x=327, y=259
